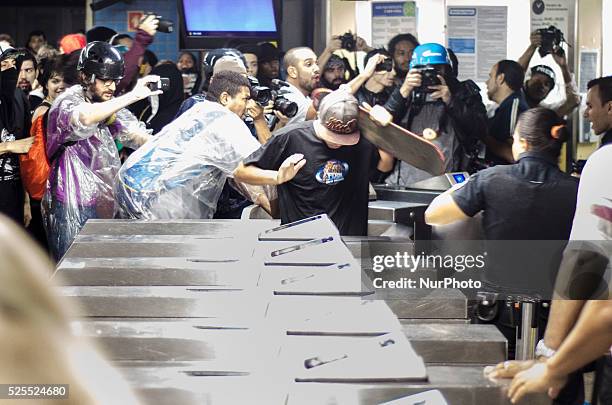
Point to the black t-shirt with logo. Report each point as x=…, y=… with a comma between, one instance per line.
x=333, y=181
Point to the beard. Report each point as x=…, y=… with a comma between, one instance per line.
x=25, y=86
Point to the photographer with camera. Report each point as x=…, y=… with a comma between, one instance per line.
x=542, y=79
x=350, y=43
x=374, y=85
x=432, y=100
x=182, y=171
x=83, y=124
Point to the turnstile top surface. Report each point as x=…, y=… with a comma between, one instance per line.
x=210, y=227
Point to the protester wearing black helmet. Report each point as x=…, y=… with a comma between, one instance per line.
x=82, y=127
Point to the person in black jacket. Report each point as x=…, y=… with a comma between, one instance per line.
x=432, y=97
x=14, y=130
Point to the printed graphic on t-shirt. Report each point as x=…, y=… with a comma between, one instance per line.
x=8, y=163
x=332, y=172
x=604, y=216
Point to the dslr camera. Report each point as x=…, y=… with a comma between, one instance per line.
x=165, y=25
x=263, y=95
x=348, y=41
x=385, y=66
x=552, y=37
x=429, y=77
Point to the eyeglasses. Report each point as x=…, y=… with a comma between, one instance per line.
x=108, y=82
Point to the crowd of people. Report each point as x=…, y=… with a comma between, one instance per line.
x=99, y=127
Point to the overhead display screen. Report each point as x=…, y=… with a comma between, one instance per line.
x=229, y=18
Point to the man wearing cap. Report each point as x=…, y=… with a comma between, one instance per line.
x=542, y=79
x=320, y=166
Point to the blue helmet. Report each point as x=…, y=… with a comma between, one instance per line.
x=429, y=54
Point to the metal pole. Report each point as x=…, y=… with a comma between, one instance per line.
x=527, y=332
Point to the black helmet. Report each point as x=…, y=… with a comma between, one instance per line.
x=102, y=60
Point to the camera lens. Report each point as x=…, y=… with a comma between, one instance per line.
x=288, y=108
x=262, y=95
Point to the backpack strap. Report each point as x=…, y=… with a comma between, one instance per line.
x=60, y=150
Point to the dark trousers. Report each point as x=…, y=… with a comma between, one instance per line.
x=573, y=392
x=11, y=199
x=603, y=381
x=36, y=228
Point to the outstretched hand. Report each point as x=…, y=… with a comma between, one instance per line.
x=290, y=167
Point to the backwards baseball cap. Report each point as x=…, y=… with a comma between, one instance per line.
x=546, y=71
x=337, y=121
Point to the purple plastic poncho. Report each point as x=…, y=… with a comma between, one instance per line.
x=80, y=184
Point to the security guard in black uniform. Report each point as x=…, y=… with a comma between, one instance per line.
x=529, y=200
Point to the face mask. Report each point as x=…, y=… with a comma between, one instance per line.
x=189, y=80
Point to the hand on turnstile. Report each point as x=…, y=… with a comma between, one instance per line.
x=538, y=378
x=508, y=368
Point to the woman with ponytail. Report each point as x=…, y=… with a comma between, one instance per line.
x=529, y=200
x=526, y=201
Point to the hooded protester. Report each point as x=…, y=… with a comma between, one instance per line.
x=161, y=109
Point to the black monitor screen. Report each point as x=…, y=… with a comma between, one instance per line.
x=244, y=18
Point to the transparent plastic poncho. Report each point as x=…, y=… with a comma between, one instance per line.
x=181, y=172
x=84, y=162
